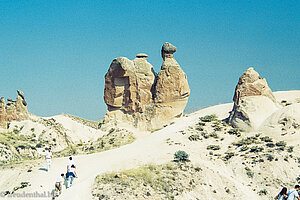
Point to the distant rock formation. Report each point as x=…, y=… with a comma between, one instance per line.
x=13, y=110
x=251, y=84
x=253, y=102
x=137, y=96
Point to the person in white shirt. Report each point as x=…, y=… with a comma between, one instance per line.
x=48, y=157
x=58, y=184
x=293, y=193
x=70, y=163
x=71, y=174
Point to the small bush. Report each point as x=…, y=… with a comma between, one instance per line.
x=269, y=157
x=194, y=137
x=281, y=144
x=263, y=192
x=228, y=155
x=250, y=174
x=217, y=128
x=199, y=128
x=244, y=148
x=181, y=156
x=245, y=141
x=290, y=149
x=213, y=147
x=214, y=135
x=201, y=124
x=266, y=139
x=100, y=124
x=209, y=118
x=111, y=131
x=256, y=149
x=235, y=131
x=271, y=145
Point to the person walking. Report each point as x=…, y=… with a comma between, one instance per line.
x=70, y=163
x=71, y=174
x=293, y=193
x=58, y=185
x=282, y=195
x=48, y=157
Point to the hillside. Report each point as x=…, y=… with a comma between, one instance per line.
x=224, y=162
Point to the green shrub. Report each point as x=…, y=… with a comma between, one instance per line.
x=205, y=135
x=281, y=144
x=214, y=135
x=244, y=148
x=199, y=128
x=194, y=137
x=217, y=128
x=201, y=124
x=100, y=124
x=270, y=157
x=228, y=155
x=246, y=141
x=250, y=174
x=16, y=131
x=263, y=192
x=181, y=156
x=213, y=147
x=256, y=149
x=290, y=149
x=209, y=118
x=234, y=131
x=271, y=145
x=266, y=139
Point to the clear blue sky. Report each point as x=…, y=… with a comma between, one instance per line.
x=57, y=52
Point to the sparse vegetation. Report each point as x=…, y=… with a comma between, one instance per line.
x=194, y=137
x=213, y=147
x=114, y=139
x=249, y=172
x=181, y=156
x=256, y=149
x=90, y=123
x=290, y=149
x=228, y=155
x=263, y=192
x=209, y=118
x=266, y=139
x=235, y=131
x=152, y=181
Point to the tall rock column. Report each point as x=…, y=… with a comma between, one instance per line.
x=172, y=89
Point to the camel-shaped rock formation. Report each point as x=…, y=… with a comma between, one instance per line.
x=135, y=95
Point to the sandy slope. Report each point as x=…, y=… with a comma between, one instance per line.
x=150, y=149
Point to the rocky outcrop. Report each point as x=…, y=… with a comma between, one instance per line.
x=251, y=84
x=137, y=96
x=13, y=110
x=253, y=102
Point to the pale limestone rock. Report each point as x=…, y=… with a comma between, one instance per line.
x=251, y=84
x=136, y=96
x=253, y=102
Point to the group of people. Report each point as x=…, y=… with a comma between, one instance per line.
x=288, y=195
x=67, y=178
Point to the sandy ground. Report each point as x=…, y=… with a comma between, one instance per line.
x=149, y=149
